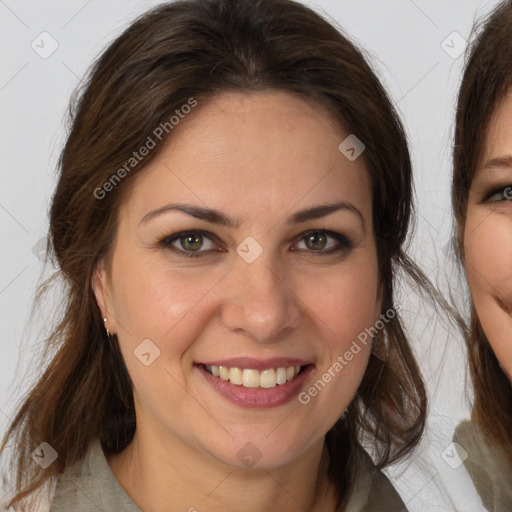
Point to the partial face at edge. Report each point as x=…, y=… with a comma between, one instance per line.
x=488, y=236
x=259, y=159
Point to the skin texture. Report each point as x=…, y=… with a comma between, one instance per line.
x=488, y=236
x=258, y=158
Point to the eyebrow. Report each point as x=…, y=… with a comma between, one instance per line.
x=217, y=217
x=502, y=161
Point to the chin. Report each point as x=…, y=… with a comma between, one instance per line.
x=257, y=452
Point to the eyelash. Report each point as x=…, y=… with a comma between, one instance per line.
x=504, y=191
x=344, y=243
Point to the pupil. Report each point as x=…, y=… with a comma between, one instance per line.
x=317, y=240
x=192, y=242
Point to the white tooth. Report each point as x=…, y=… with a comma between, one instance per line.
x=215, y=371
x=224, y=372
x=208, y=368
x=235, y=376
x=268, y=378
x=297, y=370
x=251, y=378
x=290, y=372
x=281, y=375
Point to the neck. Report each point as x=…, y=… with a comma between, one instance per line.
x=172, y=476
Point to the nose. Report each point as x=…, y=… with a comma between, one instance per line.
x=259, y=302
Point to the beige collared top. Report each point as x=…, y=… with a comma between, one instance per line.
x=487, y=466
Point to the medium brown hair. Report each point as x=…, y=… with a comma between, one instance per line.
x=195, y=49
x=486, y=80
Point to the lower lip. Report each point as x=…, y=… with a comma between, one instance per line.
x=262, y=398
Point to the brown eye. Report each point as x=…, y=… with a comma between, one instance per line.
x=324, y=242
x=316, y=241
x=191, y=242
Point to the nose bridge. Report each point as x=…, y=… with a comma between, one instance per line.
x=260, y=302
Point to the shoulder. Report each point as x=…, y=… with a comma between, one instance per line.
x=372, y=491
x=486, y=464
x=474, y=449
x=89, y=485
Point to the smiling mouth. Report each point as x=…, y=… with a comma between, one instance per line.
x=250, y=378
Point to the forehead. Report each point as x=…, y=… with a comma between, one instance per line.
x=499, y=131
x=271, y=147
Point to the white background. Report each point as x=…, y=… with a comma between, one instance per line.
x=404, y=40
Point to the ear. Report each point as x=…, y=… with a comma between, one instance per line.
x=100, y=286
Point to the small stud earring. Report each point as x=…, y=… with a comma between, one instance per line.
x=109, y=336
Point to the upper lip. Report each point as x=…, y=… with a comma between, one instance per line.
x=258, y=364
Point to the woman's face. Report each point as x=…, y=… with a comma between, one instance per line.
x=488, y=236
x=226, y=255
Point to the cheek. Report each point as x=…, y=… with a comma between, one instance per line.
x=153, y=302
x=488, y=256
x=344, y=307
x=345, y=311
x=169, y=308
x=345, y=299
